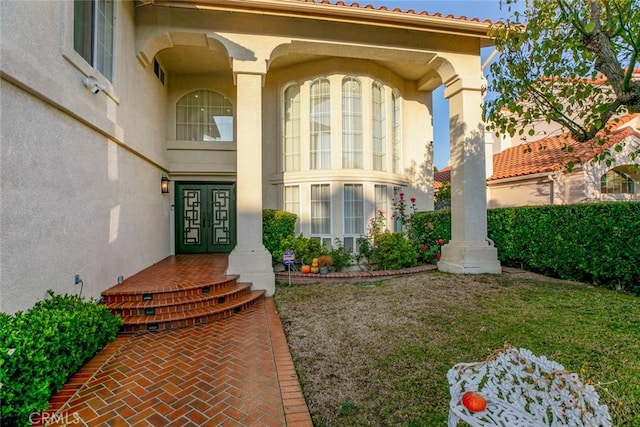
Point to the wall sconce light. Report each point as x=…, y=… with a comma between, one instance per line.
x=164, y=184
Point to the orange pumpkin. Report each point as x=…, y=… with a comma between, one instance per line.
x=305, y=269
x=474, y=401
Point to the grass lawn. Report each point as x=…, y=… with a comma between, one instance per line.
x=377, y=354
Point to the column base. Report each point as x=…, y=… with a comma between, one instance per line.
x=254, y=266
x=469, y=258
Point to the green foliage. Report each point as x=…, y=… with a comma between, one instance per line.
x=304, y=248
x=595, y=243
x=546, y=70
x=276, y=226
x=428, y=228
x=442, y=198
x=393, y=252
x=403, y=211
x=41, y=348
x=341, y=258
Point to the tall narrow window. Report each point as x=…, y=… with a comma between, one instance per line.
x=351, y=123
x=397, y=223
x=381, y=201
x=93, y=33
x=292, y=202
x=353, y=215
x=378, y=124
x=291, y=129
x=320, y=125
x=321, y=212
x=396, y=140
x=204, y=115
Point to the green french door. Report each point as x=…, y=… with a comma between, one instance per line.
x=205, y=218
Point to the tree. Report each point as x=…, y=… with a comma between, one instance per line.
x=565, y=61
x=442, y=198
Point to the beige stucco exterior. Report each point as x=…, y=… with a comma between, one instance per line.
x=81, y=171
x=581, y=184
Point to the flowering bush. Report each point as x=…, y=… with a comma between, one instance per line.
x=385, y=250
x=403, y=211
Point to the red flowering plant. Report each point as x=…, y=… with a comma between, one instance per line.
x=403, y=211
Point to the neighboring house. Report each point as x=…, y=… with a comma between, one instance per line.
x=538, y=172
x=441, y=177
x=321, y=109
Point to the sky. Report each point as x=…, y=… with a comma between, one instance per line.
x=482, y=9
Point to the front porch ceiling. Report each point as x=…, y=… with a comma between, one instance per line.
x=200, y=60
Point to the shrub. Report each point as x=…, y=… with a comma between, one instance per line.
x=393, y=252
x=594, y=243
x=428, y=228
x=341, y=258
x=277, y=226
x=41, y=348
x=304, y=248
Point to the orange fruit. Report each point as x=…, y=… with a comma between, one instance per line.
x=474, y=401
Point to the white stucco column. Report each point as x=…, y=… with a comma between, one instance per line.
x=469, y=250
x=250, y=259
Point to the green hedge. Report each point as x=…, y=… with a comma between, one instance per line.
x=276, y=227
x=428, y=227
x=595, y=243
x=42, y=347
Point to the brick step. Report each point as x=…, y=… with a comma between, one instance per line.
x=161, y=322
x=167, y=289
x=179, y=304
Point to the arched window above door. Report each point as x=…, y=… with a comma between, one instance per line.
x=204, y=115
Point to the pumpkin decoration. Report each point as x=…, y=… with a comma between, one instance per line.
x=305, y=269
x=474, y=401
x=315, y=268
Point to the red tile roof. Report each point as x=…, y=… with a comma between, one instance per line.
x=551, y=154
x=340, y=3
x=440, y=177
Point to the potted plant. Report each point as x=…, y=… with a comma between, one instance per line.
x=325, y=261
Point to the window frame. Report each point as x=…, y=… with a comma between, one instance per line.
x=319, y=115
x=292, y=206
x=352, y=129
x=291, y=159
x=350, y=236
x=87, y=43
x=396, y=131
x=201, y=127
x=622, y=183
x=322, y=233
x=378, y=127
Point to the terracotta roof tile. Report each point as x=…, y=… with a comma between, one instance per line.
x=396, y=10
x=551, y=154
x=440, y=177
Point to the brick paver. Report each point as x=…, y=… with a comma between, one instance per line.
x=228, y=372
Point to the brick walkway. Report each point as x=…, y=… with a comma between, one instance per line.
x=234, y=372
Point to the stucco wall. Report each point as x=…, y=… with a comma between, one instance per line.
x=80, y=172
x=530, y=192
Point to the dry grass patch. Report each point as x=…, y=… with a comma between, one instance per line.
x=377, y=354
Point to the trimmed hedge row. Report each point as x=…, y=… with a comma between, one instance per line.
x=277, y=226
x=42, y=347
x=596, y=243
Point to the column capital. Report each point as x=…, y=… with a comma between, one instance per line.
x=458, y=84
x=255, y=68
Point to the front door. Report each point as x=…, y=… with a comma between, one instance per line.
x=205, y=218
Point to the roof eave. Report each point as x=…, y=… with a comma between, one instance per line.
x=342, y=13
